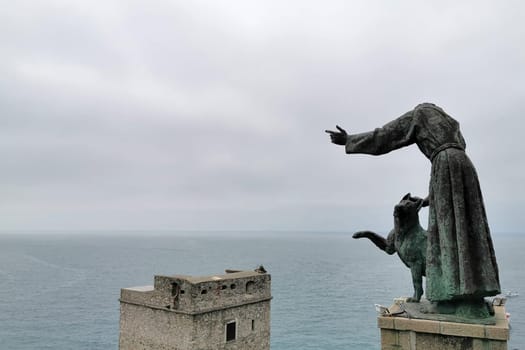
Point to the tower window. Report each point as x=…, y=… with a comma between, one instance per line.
x=231, y=330
x=253, y=325
x=250, y=287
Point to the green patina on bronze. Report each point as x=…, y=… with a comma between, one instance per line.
x=408, y=239
x=461, y=265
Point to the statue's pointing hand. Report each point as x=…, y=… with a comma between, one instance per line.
x=338, y=137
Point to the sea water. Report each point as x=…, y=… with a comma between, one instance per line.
x=60, y=291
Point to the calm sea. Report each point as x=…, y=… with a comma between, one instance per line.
x=60, y=291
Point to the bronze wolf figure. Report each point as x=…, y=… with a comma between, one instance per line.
x=407, y=238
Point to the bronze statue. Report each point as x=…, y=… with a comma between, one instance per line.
x=408, y=239
x=461, y=265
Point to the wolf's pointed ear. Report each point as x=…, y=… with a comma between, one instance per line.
x=407, y=196
x=420, y=204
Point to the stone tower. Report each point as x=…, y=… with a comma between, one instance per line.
x=230, y=311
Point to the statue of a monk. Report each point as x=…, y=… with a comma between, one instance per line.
x=461, y=264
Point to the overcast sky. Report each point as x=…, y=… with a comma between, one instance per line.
x=199, y=115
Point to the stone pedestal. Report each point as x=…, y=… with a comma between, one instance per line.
x=402, y=333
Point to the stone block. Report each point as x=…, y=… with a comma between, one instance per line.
x=389, y=338
x=424, y=326
x=497, y=345
x=426, y=341
x=401, y=323
x=500, y=313
x=495, y=332
x=479, y=344
x=406, y=339
x=385, y=322
x=463, y=329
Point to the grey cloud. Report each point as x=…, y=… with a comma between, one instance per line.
x=209, y=115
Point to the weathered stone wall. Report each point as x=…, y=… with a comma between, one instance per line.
x=147, y=328
x=143, y=327
x=150, y=297
x=179, y=297
x=214, y=294
x=210, y=328
x=207, y=294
